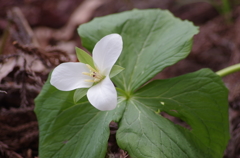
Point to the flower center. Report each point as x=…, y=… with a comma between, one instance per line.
x=97, y=77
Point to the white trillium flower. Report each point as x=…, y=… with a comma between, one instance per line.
x=73, y=75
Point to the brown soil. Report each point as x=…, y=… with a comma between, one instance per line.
x=45, y=33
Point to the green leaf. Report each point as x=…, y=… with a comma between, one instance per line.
x=115, y=70
x=84, y=57
x=69, y=129
x=199, y=99
x=152, y=40
x=79, y=93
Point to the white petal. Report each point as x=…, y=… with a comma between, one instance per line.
x=106, y=52
x=103, y=95
x=68, y=76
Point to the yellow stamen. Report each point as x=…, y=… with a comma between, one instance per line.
x=91, y=69
x=97, y=77
x=97, y=80
x=86, y=73
x=89, y=80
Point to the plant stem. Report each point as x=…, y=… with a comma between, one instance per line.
x=226, y=6
x=228, y=70
x=4, y=38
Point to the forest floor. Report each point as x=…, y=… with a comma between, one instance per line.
x=37, y=35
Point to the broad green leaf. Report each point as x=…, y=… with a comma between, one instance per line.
x=115, y=70
x=199, y=99
x=79, y=93
x=152, y=40
x=84, y=57
x=70, y=130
